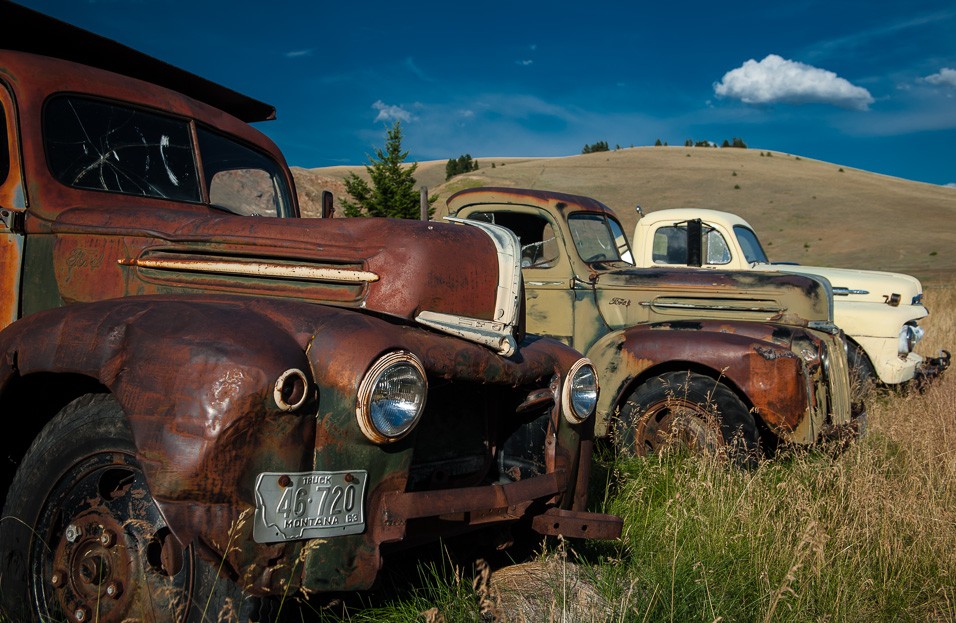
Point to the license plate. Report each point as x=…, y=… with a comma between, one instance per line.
x=309, y=505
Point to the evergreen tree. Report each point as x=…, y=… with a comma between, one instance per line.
x=739, y=142
x=392, y=191
x=658, y=143
x=463, y=164
x=596, y=147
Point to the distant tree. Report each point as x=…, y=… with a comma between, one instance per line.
x=462, y=164
x=726, y=143
x=689, y=143
x=595, y=148
x=657, y=143
x=392, y=191
x=738, y=142
x=617, y=147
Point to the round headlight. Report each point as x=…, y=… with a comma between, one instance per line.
x=391, y=397
x=580, y=394
x=910, y=334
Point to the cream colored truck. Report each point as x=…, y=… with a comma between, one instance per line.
x=878, y=311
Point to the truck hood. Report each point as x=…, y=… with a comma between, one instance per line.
x=859, y=285
x=629, y=296
x=463, y=280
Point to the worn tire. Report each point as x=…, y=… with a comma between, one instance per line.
x=863, y=375
x=80, y=532
x=688, y=410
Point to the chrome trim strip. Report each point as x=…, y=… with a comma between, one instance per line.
x=843, y=291
x=715, y=307
x=494, y=335
x=254, y=269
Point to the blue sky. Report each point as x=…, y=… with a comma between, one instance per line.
x=868, y=84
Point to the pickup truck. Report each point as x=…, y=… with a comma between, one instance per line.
x=878, y=311
x=213, y=405
x=728, y=360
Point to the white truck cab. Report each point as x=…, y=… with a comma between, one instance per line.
x=878, y=311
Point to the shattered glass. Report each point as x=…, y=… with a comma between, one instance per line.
x=104, y=146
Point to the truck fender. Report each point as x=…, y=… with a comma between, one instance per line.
x=767, y=376
x=196, y=381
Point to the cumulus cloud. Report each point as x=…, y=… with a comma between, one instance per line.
x=950, y=185
x=298, y=53
x=388, y=112
x=776, y=79
x=945, y=77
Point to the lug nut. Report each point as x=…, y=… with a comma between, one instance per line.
x=114, y=589
x=73, y=532
x=108, y=538
x=81, y=614
x=56, y=579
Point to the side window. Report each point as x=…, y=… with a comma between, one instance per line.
x=670, y=245
x=715, y=248
x=241, y=180
x=100, y=145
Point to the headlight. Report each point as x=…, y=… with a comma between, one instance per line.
x=391, y=397
x=580, y=394
x=910, y=334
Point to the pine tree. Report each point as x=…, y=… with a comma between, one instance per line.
x=392, y=191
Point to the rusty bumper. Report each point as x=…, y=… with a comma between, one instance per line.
x=493, y=503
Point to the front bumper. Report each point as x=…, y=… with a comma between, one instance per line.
x=932, y=367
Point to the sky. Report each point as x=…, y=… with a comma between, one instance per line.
x=866, y=84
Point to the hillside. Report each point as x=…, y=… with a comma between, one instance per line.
x=804, y=210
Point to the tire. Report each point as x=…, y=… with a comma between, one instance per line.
x=83, y=540
x=863, y=375
x=687, y=410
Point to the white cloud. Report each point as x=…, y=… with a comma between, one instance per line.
x=387, y=112
x=524, y=63
x=950, y=185
x=944, y=77
x=298, y=53
x=776, y=79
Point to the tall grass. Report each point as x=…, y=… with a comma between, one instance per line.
x=859, y=533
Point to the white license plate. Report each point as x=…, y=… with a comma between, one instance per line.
x=309, y=505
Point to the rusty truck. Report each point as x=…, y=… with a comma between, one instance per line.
x=730, y=361
x=217, y=403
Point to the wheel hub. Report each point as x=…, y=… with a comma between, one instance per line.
x=679, y=423
x=113, y=558
x=93, y=571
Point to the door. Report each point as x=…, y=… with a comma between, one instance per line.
x=12, y=208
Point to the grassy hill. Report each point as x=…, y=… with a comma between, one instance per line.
x=804, y=210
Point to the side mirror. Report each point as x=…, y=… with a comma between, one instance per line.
x=328, y=209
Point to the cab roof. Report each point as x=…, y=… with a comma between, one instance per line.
x=26, y=30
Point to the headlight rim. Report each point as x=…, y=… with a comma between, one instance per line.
x=366, y=388
x=567, y=404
